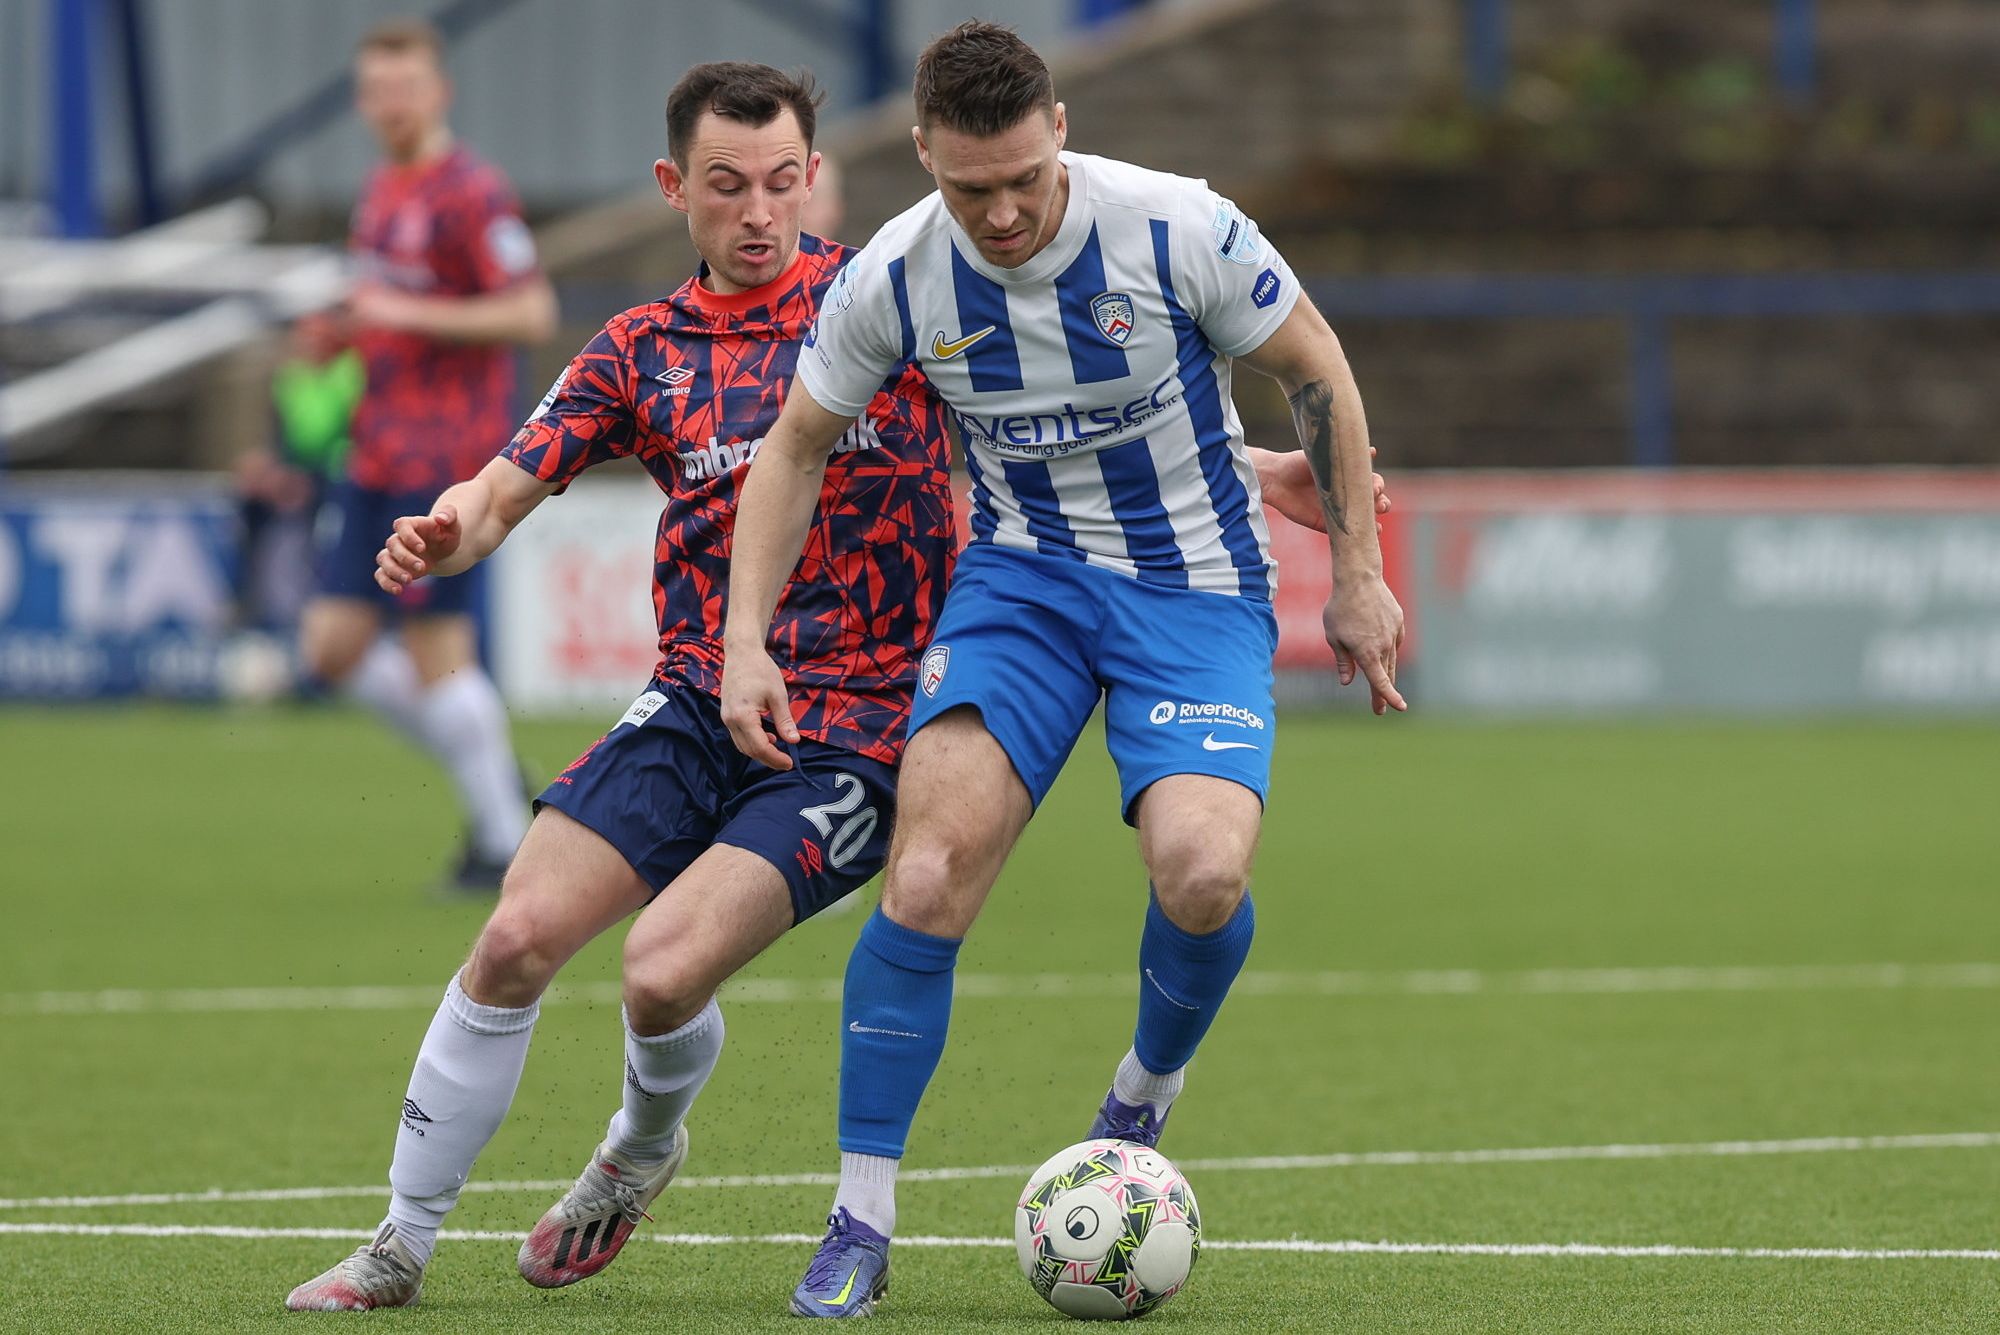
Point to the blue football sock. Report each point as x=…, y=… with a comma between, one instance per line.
x=1182, y=981
x=893, y=1016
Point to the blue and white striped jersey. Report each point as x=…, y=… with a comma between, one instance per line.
x=1091, y=384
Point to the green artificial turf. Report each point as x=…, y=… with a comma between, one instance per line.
x=163, y=850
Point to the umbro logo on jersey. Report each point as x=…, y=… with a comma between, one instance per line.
x=676, y=379
x=944, y=351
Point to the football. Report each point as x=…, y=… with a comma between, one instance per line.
x=1107, y=1230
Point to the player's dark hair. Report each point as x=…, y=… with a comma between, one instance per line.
x=396, y=36
x=741, y=91
x=981, y=78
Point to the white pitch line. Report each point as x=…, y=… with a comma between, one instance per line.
x=1723, y=1149
x=1325, y=982
x=1340, y=1247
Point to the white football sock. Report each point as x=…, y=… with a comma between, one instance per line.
x=663, y=1074
x=867, y=1189
x=465, y=723
x=386, y=681
x=466, y=1074
x=1135, y=1084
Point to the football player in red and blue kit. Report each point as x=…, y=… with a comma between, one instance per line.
x=718, y=854
x=447, y=281
x=662, y=813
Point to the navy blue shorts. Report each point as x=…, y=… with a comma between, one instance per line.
x=666, y=784
x=354, y=521
x=1033, y=642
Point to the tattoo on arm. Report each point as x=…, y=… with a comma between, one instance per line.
x=1312, y=411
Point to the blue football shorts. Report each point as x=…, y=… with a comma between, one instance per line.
x=666, y=783
x=353, y=523
x=1033, y=642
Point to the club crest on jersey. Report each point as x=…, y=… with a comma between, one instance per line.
x=931, y=674
x=1113, y=313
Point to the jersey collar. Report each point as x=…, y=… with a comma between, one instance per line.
x=736, y=303
x=1054, y=257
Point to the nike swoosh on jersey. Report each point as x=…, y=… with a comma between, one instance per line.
x=944, y=351
x=1209, y=743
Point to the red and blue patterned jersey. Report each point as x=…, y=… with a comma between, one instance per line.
x=691, y=386
x=434, y=411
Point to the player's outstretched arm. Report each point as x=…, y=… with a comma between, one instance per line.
x=1364, y=624
x=772, y=514
x=463, y=528
x=522, y=313
x=1286, y=480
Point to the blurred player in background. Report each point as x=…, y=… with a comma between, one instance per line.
x=1080, y=317
x=719, y=855
x=279, y=487
x=448, y=282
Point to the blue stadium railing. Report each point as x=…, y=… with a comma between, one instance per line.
x=1647, y=303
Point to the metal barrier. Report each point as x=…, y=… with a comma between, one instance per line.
x=1647, y=302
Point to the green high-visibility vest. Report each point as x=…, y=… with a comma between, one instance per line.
x=315, y=403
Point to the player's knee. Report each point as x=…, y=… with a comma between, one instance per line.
x=930, y=882
x=1199, y=884
x=513, y=961
x=329, y=655
x=663, y=989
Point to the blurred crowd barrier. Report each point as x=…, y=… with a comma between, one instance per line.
x=1735, y=592
x=1746, y=591
x=1613, y=592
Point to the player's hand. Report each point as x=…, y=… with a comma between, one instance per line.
x=415, y=546
x=1287, y=483
x=1364, y=624
x=753, y=691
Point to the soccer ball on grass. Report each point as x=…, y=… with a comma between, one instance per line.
x=1107, y=1230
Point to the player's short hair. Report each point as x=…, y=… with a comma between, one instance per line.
x=397, y=36
x=740, y=91
x=981, y=78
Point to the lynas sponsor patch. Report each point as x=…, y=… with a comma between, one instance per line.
x=930, y=675
x=1113, y=313
x=1267, y=289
